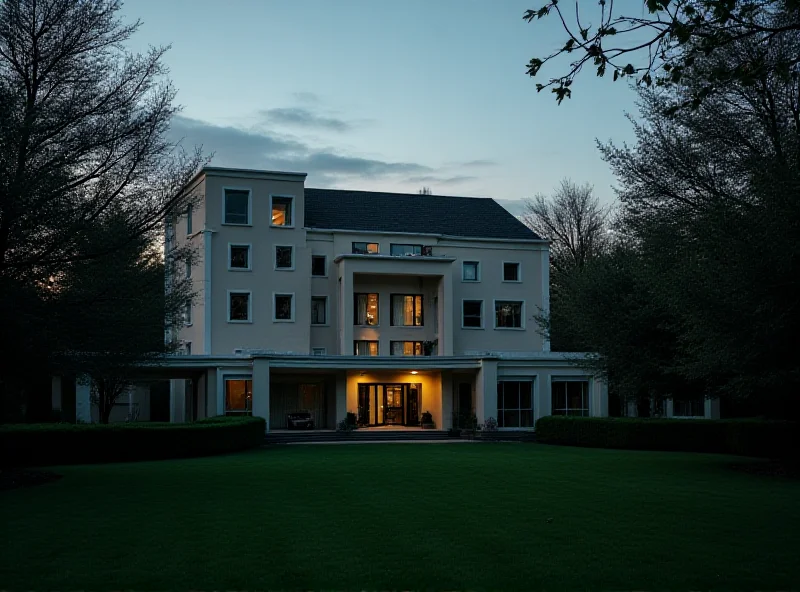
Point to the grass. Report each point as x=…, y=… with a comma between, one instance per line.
x=405, y=516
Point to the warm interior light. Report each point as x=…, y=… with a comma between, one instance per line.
x=414, y=372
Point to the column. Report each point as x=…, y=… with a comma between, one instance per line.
x=711, y=408
x=261, y=389
x=177, y=400
x=345, y=310
x=83, y=399
x=446, y=305
x=447, y=400
x=486, y=391
x=670, y=408
x=545, y=291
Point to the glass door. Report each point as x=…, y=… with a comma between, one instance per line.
x=412, y=404
x=394, y=414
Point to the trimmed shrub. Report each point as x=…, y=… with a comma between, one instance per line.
x=58, y=444
x=771, y=439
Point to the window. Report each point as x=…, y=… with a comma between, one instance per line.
x=570, y=397
x=469, y=271
x=187, y=348
x=508, y=314
x=239, y=257
x=238, y=307
x=284, y=257
x=406, y=348
x=511, y=272
x=318, y=265
x=405, y=249
x=188, y=269
x=366, y=248
x=187, y=312
x=365, y=348
x=366, y=309
x=189, y=219
x=689, y=407
x=238, y=396
x=282, y=207
x=514, y=404
x=237, y=206
x=406, y=310
x=284, y=307
x=473, y=314
x=318, y=351
x=319, y=305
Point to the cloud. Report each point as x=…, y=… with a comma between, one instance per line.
x=306, y=97
x=299, y=117
x=442, y=180
x=475, y=163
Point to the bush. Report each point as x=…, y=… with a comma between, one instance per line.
x=771, y=439
x=57, y=444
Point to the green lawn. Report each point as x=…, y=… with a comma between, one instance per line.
x=405, y=516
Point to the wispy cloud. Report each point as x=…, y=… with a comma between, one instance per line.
x=475, y=163
x=300, y=117
x=441, y=179
x=305, y=97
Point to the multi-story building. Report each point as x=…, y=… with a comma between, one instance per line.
x=384, y=305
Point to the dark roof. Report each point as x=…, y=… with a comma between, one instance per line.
x=476, y=217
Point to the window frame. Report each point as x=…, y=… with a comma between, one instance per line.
x=477, y=271
x=275, y=257
x=519, y=272
x=519, y=409
x=483, y=315
x=275, y=318
x=324, y=266
x=413, y=345
x=392, y=245
x=414, y=310
x=572, y=379
x=377, y=307
x=249, y=206
x=366, y=248
x=249, y=256
x=324, y=298
x=231, y=377
x=272, y=197
x=377, y=347
x=249, y=318
x=521, y=315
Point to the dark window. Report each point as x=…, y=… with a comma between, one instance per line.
x=473, y=311
x=189, y=219
x=239, y=306
x=510, y=272
x=365, y=348
x=406, y=310
x=689, y=407
x=515, y=404
x=283, y=258
x=366, y=248
x=282, y=211
x=318, y=310
x=406, y=348
x=570, y=397
x=237, y=206
x=397, y=249
x=240, y=257
x=318, y=265
x=470, y=271
x=283, y=307
x=366, y=309
x=508, y=314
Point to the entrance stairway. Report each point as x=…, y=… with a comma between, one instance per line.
x=393, y=435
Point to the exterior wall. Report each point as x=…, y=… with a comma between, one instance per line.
x=194, y=332
x=431, y=389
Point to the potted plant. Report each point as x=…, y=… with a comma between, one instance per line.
x=428, y=347
x=427, y=421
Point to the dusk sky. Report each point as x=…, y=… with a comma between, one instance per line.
x=380, y=95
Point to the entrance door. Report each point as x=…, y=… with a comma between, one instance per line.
x=364, y=405
x=394, y=404
x=412, y=403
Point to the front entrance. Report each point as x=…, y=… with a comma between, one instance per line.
x=388, y=404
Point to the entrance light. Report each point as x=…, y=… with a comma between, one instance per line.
x=414, y=372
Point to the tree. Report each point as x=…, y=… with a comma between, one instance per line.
x=667, y=40
x=83, y=141
x=426, y=191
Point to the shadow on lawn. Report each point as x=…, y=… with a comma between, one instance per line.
x=16, y=478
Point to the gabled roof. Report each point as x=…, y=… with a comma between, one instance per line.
x=473, y=217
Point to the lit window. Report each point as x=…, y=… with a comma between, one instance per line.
x=515, y=404
x=508, y=315
x=239, y=306
x=469, y=271
x=318, y=265
x=396, y=249
x=282, y=211
x=366, y=309
x=318, y=310
x=239, y=257
x=238, y=396
x=406, y=348
x=406, y=310
x=284, y=305
x=237, y=206
x=510, y=272
x=365, y=348
x=366, y=248
x=284, y=257
x=570, y=397
x=473, y=312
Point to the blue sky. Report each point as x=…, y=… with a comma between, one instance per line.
x=384, y=95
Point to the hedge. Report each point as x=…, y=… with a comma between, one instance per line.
x=63, y=443
x=746, y=437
